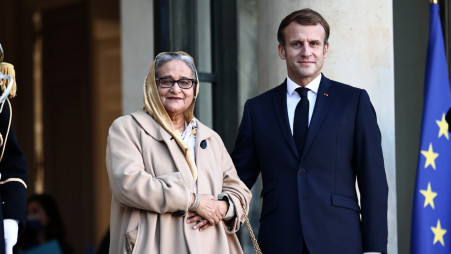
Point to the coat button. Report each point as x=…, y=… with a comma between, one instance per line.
x=302, y=171
x=203, y=144
x=179, y=213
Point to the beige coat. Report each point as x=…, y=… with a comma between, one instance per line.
x=151, y=184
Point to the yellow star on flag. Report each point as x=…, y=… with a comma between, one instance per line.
x=429, y=196
x=438, y=233
x=430, y=157
x=443, y=125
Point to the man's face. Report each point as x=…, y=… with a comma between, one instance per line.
x=304, y=51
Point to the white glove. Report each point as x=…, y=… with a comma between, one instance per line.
x=11, y=231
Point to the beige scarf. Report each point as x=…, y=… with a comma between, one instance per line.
x=154, y=107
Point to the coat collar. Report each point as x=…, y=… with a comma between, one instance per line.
x=156, y=131
x=149, y=125
x=203, y=133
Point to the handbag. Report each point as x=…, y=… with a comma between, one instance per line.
x=251, y=232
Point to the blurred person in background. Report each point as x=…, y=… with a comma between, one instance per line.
x=43, y=224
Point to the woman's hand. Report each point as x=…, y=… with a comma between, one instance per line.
x=200, y=223
x=223, y=207
x=209, y=209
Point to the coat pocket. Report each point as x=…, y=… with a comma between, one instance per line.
x=345, y=202
x=132, y=232
x=130, y=240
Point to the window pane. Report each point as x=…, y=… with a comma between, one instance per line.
x=204, y=104
x=203, y=36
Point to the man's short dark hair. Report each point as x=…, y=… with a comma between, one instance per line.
x=304, y=17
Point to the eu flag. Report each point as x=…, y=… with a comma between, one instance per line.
x=431, y=216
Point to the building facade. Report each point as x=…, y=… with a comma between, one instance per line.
x=82, y=63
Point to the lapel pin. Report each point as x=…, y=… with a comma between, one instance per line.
x=326, y=94
x=203, y=144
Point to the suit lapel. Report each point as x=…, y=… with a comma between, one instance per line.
x=324, y=99
x=280, y=106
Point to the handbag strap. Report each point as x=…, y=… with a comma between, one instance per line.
x=251, y=232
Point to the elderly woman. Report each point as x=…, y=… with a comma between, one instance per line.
x=174, y=186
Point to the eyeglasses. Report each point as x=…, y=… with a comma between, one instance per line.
x=182, y=83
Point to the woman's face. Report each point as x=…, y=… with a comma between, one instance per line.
x=35, y=210
x=175, y=99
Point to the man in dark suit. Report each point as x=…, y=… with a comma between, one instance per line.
x=312, y=138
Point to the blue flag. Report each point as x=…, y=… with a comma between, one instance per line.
x=431, y=216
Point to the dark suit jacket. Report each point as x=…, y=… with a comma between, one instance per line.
x=13, y=194
x=312, y=200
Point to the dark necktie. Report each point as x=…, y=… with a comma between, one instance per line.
x=300, y=123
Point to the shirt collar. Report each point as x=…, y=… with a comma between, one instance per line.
x=313, y=85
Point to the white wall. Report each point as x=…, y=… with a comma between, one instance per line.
x=137, y=41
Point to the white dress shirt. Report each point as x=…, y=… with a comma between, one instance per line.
x=293, y=98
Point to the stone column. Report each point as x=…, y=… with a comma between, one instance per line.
x=360, y=54
x=137, y=43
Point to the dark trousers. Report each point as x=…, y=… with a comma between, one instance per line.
x=305, y=250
